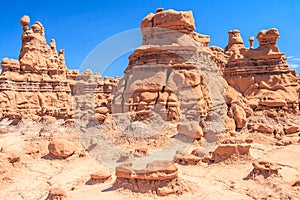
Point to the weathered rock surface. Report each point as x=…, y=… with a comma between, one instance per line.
x=100, y=176
x=57, y=194
x=187, y=159
x=261, y=74
x=264, y=168
x=61, y=148
x=158, y=176
x=225, y=151
x=191, y=129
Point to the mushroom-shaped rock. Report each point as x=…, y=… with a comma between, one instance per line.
x=157, y=170
x=57, y=194
x=61, y=148
x=25, y=20
x=158, y=176
x=100, y=176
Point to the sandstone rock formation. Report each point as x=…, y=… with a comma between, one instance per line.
x=35, y=85
x=61, y=148
x=264, y=168
x=225, y=151
x=38, y=85
x=187, y=159
x=167, y=76
x=57, y=194
x=261, y=74
x=158, y=176
x=161, y=75
x=100, y=176
x=229, y=98
x=91, y=96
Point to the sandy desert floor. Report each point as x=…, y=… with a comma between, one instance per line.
x=28, y=171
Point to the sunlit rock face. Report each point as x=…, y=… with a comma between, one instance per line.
x=35, y=86
x=261, y=74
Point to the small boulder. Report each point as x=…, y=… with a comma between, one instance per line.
x=140, y=152
x=291, y=129
x=264, y=168
x=263, y=128
x=187, y=159
x=165, y=191
x=225, y=151
x=190, y=129
x=239, y=116
x=100, y=176
x=61, y=148
x=198, y=152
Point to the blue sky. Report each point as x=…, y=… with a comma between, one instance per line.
x=79, y=26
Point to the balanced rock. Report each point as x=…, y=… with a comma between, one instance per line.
x=25, y=20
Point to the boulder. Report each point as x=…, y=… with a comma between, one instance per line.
x=239, y=116
x=291, y=129
x=61, y=148
x=263, y=128
x=191, y=129
x=264, y=168
x=187, y=159
x=225, y=151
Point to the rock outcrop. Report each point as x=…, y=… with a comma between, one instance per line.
x=264, y=168
x=158, y=176
x=225, y=151
x=91, y=96
x=35, y=85
x=169, y=74
x=161, y=74
x=261, y=74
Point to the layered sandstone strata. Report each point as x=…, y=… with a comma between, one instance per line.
x=91, y=96
x=261, y=74
x=162, y=74
x=160, y=177
x=39, y=86
x=35, y=85
x=175, y=74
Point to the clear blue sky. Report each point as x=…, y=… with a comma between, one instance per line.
x=79, y=26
